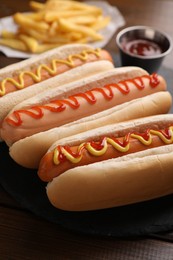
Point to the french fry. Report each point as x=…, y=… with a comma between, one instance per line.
x=39, y=16
x=30, y=42
x=83, y=20
x=81, y=29
x=14, y=44
x=51, y=16
x=53, y=29
x=33, y=33
x=36, y=5
x=101, y=23
x=26, y=21
x=8, y=35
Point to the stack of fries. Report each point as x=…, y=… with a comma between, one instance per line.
x=55, y=23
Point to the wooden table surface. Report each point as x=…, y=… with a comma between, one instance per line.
x=26, y=236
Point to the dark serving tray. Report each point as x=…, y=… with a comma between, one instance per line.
x=133, y=220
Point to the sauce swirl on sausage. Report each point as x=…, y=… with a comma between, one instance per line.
x=42, y=72
x=99, y=148
x=57, y=106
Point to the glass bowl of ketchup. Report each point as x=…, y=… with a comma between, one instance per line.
x=143, y=46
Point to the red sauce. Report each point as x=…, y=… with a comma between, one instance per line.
x=143, y=48
x=145, y=135
x=98, y=145
x=122, y=141
x=166, y=133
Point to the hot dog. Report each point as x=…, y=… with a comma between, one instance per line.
x=110, y=166
x=49, y=64
x=7, y=102
x=29, y=151
x=77, y=100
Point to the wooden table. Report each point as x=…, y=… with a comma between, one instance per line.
x=26, y=236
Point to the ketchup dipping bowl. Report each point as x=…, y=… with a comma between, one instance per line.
x=143, y=46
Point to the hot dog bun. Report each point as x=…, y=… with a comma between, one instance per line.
x=137, y=177
x=60, y=52
x=46, y=65
x=129, y=178
x=106, y=142
x=77, y=100
x=9, y=101
x=29, y=151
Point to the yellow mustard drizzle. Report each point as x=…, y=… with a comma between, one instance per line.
x=73, y=159
x=67, y=155
x=162, y=137
x=36, y=76
x=142, y=140
x=96, y=152
x=117, y=146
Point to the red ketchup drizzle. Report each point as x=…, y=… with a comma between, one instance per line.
x=166, y=133
x=75, y=154
x=98, y=145
x=72, y=101
x=145, y=135
x=61, y=156
x=124, y=141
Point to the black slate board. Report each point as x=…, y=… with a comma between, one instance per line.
x=127, y=221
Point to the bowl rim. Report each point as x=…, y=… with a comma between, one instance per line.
x=139, y=27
